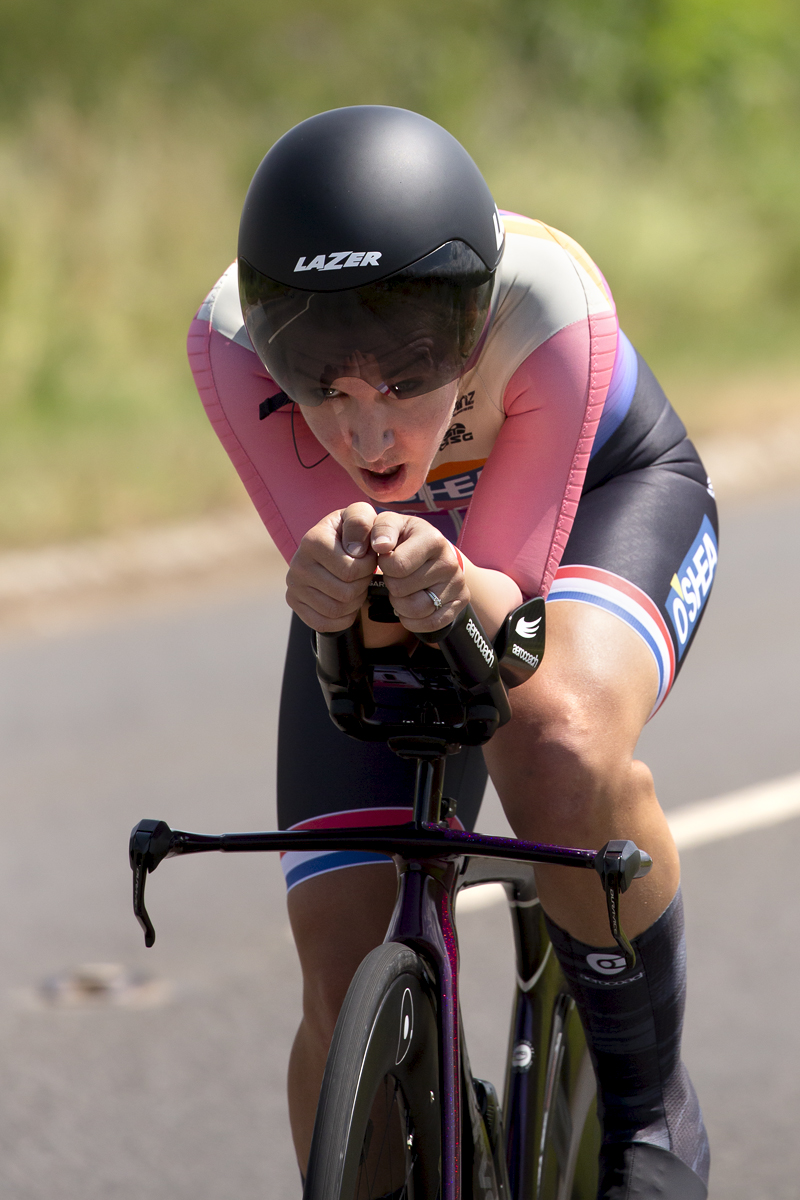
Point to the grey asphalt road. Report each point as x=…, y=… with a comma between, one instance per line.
x=171, y=714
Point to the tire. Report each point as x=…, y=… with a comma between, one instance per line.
x=377, y=1132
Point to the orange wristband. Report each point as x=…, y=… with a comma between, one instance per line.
x=458, y=556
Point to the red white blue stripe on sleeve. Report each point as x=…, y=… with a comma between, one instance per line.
x=591, y=585
x=299, y=865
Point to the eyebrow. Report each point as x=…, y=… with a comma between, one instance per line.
x=409, y=365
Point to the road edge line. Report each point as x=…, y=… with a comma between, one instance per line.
x=751, y=808
x=697, y=825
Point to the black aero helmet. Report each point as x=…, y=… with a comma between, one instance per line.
x=367, y=247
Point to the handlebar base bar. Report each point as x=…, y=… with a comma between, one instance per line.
x=153, y=841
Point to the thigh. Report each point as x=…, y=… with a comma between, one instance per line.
x=621, y=614
x=564, y=759
x=329, y=780
x=643, y=544
x=643, y=548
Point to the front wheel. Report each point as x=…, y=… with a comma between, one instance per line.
x=377, y=1132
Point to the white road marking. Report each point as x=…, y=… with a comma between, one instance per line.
x=480, y=897
x=751, y=808
x=696, y=825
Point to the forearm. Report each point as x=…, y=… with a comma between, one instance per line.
x=493, y=595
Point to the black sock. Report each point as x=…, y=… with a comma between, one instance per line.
x=633, y=1021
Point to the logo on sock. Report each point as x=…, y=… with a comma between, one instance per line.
x=606, y=964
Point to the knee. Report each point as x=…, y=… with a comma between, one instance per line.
x=567, y=756
x=572, y=752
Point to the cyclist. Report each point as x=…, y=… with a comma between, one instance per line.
x=407, y=379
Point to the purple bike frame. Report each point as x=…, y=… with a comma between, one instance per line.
x=429, y=859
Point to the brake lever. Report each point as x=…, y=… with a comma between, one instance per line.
x=151, y=842
x=618, y=864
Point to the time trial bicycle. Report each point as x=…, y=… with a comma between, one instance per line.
x=400, y=1116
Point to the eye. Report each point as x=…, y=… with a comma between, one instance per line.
x=330, y=393
x=407, y=387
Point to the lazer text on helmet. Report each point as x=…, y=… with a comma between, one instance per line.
x=340, y=260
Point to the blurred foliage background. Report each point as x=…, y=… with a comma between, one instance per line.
x=662, y=134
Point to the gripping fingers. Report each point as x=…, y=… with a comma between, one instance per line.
x=419, y=614
x=324, y=613
x=325, y=585
x=425, y=578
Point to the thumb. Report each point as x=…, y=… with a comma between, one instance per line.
x=357, y=522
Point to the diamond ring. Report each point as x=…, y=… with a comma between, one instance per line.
x=437, y=604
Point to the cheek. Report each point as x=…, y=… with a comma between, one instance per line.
x=433, y=419
x=324, y=423
x=423, y=436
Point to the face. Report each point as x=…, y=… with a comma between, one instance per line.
x=386, y=443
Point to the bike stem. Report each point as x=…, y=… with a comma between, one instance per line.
x=428, y=787
x=430, y=754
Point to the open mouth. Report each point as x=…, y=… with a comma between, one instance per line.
x=387, y=474
x=381, y=481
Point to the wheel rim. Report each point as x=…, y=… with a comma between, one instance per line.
x=378, y=1130
x=389, y=1150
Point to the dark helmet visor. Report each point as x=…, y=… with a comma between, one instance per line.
x=405, y=335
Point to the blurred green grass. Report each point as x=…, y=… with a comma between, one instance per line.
x=663, y=136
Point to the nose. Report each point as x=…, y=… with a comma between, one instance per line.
x=370, y=432
x=365, y=421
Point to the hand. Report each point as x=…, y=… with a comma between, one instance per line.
x=329, y=575
x=415, y=559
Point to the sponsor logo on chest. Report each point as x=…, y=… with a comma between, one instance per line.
x=340, y=260
x=455, y=434
x=458, y=431
x=691, y=584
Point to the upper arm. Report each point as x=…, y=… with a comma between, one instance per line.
x=525, y=501
x=267, y=453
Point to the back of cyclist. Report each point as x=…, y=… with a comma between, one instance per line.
x=408, y=380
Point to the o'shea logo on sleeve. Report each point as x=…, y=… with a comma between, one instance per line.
x=691, y=584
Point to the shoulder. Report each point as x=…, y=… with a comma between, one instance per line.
x=225, y=366
x=550, y=264
x=545, y=281
x=546, y=284
x=221, y=311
